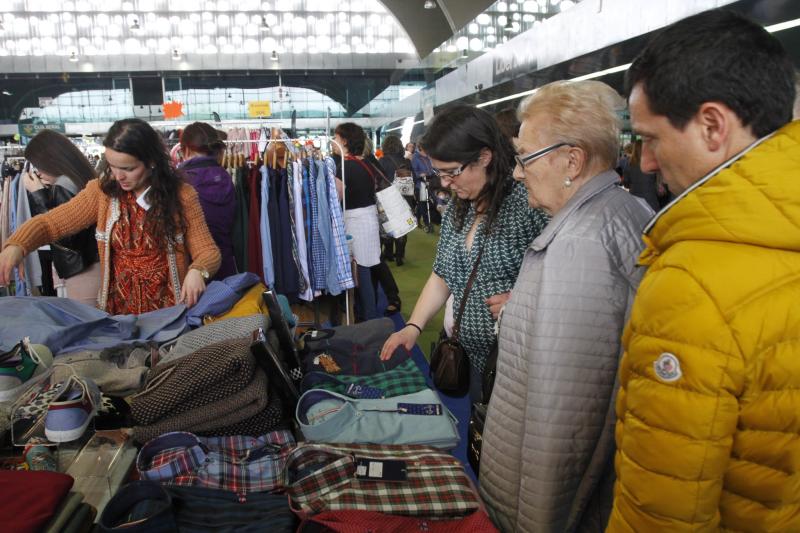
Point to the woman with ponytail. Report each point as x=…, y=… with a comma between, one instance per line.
x=201, y=146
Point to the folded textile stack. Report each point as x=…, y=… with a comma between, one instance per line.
x=217, y=390
x=42, y=501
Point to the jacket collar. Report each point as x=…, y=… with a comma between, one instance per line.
x=700, y=182
x=593, y=187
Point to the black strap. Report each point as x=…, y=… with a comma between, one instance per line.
x=367, y=168
x=472, y=276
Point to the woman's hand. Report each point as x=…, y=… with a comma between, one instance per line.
x=406, y=337
x=193, y=286
x=9, y=258
x=497, y=302
x=32, y=182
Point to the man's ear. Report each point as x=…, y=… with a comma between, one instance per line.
x=717, y=122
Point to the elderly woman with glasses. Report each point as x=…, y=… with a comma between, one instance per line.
x=490, y=219
x=548, y=443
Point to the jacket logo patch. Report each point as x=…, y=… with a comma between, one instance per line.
x=667, y=367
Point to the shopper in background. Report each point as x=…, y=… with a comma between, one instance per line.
x=392, y=162
x=59, y=172
x=381, y=273
x=508, y=122
x=201, y=146
x=638, y=183
x=707, y=410
x=155, y=248
x=548, y=442
x=410, y=149
x=422, y=172
x=490, y=216
x=360, y=215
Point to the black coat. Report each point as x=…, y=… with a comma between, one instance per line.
x=75, y=253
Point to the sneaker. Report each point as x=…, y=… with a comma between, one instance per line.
x=22, y=367
x=73, y=408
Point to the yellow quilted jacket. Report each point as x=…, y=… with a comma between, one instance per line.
x=708, y=412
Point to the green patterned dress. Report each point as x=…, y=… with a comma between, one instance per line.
x=516, y=226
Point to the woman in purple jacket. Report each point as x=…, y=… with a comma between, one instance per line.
x=201, y=145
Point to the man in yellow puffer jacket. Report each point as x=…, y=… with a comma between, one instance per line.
x=708, y=411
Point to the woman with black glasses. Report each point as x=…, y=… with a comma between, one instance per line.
x=548, y=442
x=489, y=224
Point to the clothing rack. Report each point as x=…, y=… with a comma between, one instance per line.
x=344, y=186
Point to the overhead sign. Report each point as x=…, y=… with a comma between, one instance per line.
x=509, y=62
x=45, y=101
x=259, y=108
x=29, y=129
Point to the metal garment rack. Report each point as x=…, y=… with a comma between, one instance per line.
x=344, y=205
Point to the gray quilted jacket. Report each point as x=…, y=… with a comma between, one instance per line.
x=547, y=457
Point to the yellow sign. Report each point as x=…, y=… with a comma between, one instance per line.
x=259, y=108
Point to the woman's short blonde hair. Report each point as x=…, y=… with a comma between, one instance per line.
x=581, y=113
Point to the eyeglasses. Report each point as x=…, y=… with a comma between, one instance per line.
x=448, y=173
x=523, y=160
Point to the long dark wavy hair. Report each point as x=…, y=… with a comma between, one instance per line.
x=458, y=134
x=135, y=137
x=56, y=155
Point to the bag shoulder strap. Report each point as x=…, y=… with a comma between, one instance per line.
x=467, y=289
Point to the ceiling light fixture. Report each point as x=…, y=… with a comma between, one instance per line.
x=73, y=56
x=274, y=55
x=7, y=93
x=429, y=4
x=509, y=27
x=264, y=26
x=176, y=55
x=464, y=54
x=135, y=26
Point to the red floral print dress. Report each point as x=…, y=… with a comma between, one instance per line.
x=139, y=269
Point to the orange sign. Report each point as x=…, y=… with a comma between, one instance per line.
x=173, y=109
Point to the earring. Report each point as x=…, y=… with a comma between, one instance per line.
x=568, y=182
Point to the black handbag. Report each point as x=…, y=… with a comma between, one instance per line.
x=449, y=360
x=477, y=417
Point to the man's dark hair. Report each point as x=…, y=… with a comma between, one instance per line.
x=717, y=56
x=353, y=135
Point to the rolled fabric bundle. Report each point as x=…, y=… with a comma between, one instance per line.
x=210, y=417
x=209, y=375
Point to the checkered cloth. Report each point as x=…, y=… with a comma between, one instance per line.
x=322, y=477
x=318, y=257
x=237, y=464
x=406, y=378
x=344, y=274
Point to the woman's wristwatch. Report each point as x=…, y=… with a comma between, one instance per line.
x=203, y=272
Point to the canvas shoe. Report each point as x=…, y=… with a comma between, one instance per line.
x=22, y=367
x=73, y=408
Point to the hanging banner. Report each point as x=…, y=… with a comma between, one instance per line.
x=428, y=104
x=259, y=108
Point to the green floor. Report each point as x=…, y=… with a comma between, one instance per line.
x=411, y=277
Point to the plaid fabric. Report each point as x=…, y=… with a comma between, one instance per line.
x=365, y=521
x=341, y=251
x=317, y=246
x=322, y=477
x=406, y=378
x=237, y=464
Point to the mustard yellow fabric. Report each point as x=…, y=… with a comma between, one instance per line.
x=718, y=448
x=251, y=303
